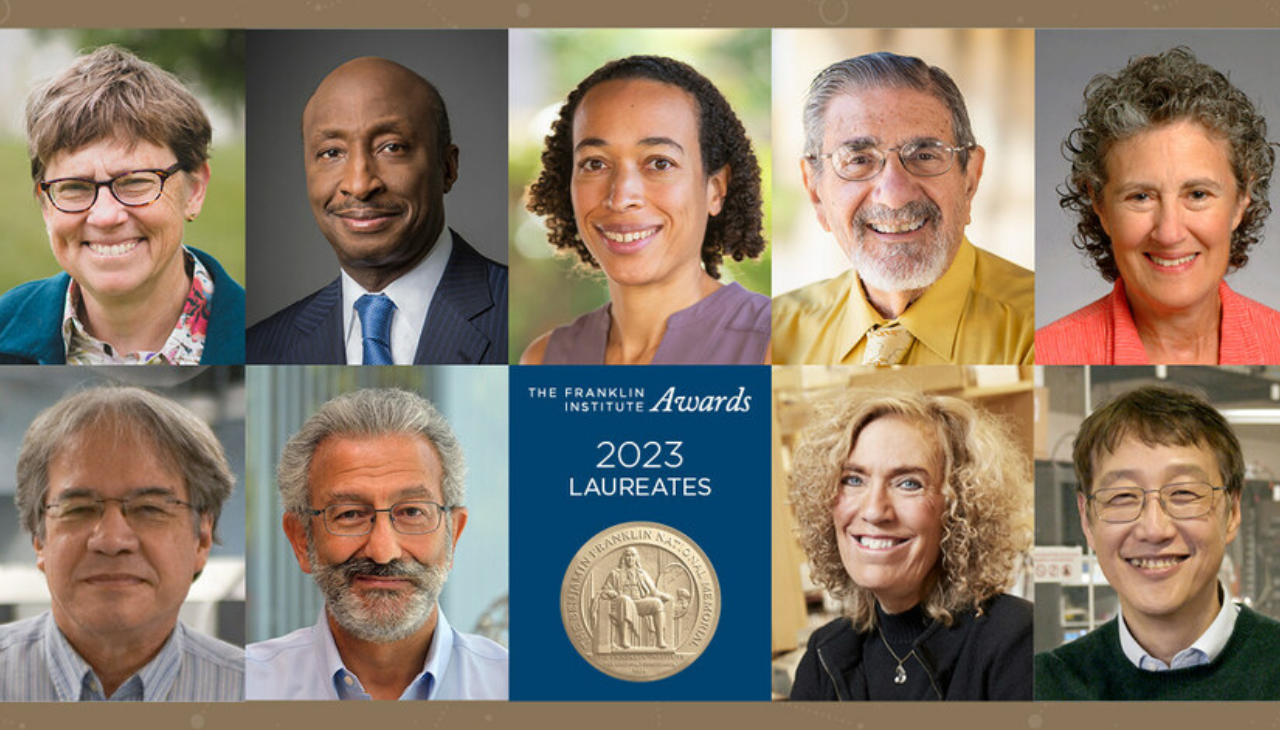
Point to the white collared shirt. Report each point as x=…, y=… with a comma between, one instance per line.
x=1202, y=651
x=412, y=295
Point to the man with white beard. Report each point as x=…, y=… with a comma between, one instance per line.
x=891, y=167
x=373, y=487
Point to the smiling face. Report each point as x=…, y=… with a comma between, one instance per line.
x=641, y=197
x=110, y=580
x=888, y=511
x=1169, y=206
x=118, y=253
x=375, y=176
x=382, y=586
x=1164, y=570
x=900, y=231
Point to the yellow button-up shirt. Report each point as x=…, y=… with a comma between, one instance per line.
x=982, y=311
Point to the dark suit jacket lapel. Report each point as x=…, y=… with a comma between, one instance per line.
x=448, y=335
x=319, y=324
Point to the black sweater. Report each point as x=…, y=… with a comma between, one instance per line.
x=1094, y=667
x=985, y=657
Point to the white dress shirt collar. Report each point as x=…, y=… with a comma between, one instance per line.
x=1202, y=651
x=412, y=294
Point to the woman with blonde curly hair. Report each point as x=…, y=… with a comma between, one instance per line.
x=914, y=511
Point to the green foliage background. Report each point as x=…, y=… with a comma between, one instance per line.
x=547, y=291
x=211, y=62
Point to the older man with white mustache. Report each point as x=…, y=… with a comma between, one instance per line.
x=373, y=487
x=891, y=167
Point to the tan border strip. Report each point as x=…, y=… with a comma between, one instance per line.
x=651, y=13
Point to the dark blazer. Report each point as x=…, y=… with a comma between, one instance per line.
x=466, y=324
x=31, y=320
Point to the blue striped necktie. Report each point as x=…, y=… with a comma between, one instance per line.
x=375, y=312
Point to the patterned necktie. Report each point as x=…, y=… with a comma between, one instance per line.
x=887, y=345
x=375, y=312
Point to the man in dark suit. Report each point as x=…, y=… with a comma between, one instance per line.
x=379, y=158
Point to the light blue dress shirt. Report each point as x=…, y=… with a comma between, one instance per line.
x=38, y=664
x=305, y=665
x=1202, y=651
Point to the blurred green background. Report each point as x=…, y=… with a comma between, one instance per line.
x=209, y=62
x=545, y=65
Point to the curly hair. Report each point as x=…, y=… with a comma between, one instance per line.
x=1150, y=92
x=723, y=141
x=986, y=521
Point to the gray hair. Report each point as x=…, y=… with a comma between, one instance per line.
x=182, y=441
x=882, y=70
x=365, y=413
x=1149, y=92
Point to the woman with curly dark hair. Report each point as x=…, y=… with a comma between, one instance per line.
x=648, y=175
x=1170, y=170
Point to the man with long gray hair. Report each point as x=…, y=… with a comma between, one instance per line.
x=373, y=487
x=891, y=167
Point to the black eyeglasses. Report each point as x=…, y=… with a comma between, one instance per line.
x=925, y=158
x=414, y=517
x=133, y=189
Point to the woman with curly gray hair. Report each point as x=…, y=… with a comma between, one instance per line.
x=1170, y=171
x=914, y=511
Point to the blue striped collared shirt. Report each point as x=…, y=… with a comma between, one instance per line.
x=38, y=664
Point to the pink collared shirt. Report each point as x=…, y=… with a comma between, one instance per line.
x=1104, y=333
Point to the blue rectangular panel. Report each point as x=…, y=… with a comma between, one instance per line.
x=596, y=448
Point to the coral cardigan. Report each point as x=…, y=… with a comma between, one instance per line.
x=1103, y=333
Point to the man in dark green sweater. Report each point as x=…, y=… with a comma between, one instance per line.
x=1160, y=477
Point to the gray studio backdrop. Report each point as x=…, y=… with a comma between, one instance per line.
x=1065, y=61
x=286, y=256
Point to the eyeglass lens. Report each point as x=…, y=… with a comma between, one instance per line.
x=1180, y=501
x=410, y=518
x=134, y=188
x=143, y=510
x=928, y=158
